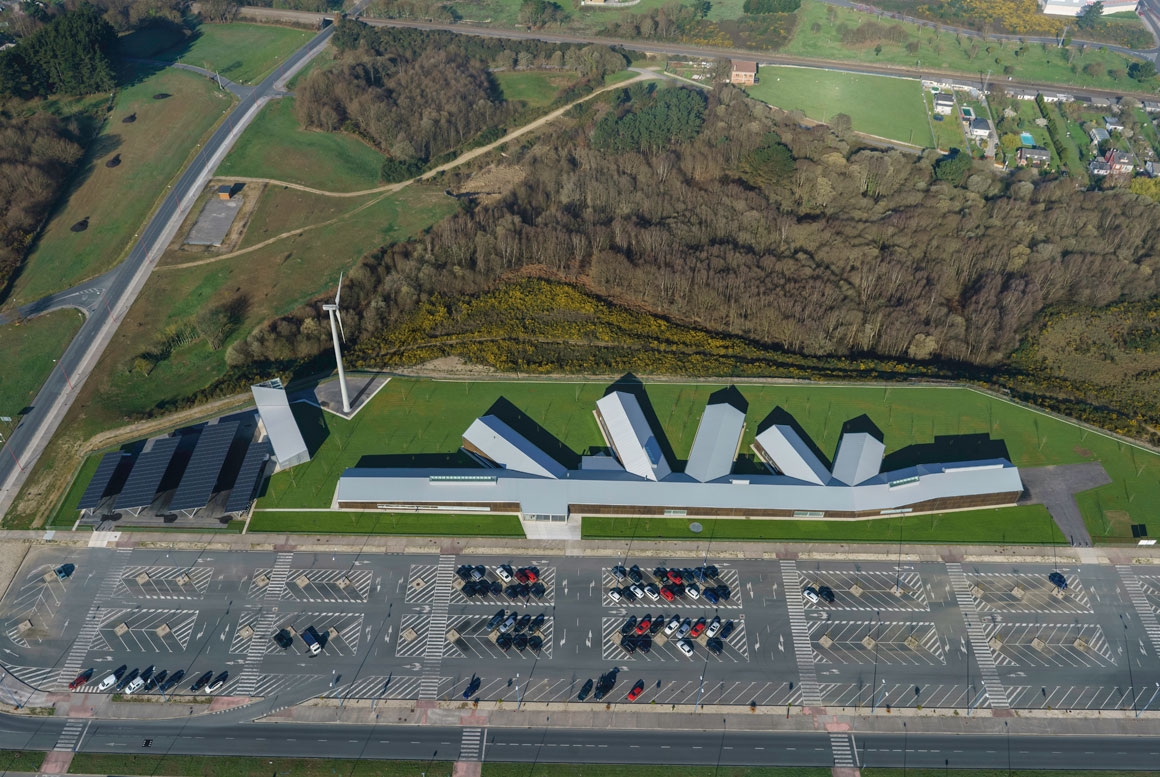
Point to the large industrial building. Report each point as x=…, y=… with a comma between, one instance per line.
x=516, y=477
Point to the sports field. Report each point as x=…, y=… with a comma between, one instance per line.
x=878, y=105
x=412, y=417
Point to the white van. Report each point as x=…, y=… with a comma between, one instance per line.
x=134, y=686
x=107, y=683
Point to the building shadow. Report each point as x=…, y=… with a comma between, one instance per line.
x=312, y=423
x=456, y=460
x=947, y=449
x=537, y=435
x=630, y=384
x=863, y=424
x=779, y=416
x=730, y=395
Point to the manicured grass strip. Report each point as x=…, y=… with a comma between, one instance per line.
x=67, y=513
x=414, y=524
x=997, y=773
x=244, y=53
x=21, y=760
x=275, y=146
x=28, y=353
x=227, y=766
x=1023, y=525
x=645, y=770
x=886, y=107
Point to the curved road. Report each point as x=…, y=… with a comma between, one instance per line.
x=124, y=283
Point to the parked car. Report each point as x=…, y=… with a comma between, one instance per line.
x=535, y=643
x=714, y=627
x=472, y=687
x=693, y=591
x=644, y=643
x=826, y=593
x=216, y=683
x=643, y=624
x=619, y=573
x=585, y=690
x=686, y=627
x=155, y=680
x=201, y=682
x=628, y=644
x=479, y=572
x=136, y=685
x=674, y=576
x=811, y=594
x=537, y=622
x=112, y=678
x=1058, y=580
x=81, y=679
x=636, y=691
x=520, y=642
x=522, y=576
x=658, y=623
x=652, y=592
x=524, y=621
x=686, y=647
x=698, y=628
x=667, y=593
x=673, y=624
x=614, y=594
x=496, y=619
x=65, y=571
x=504, y=642
x=628, y=594
x=629, y=625
x=634, y=574
x=727, y=629
x=714, y=645
x=126, y=679
x=660, y=572
x=710, y=595
x=723, y=592
x=504, y=572
x=538, y=590
x=283, y=639
x=173, y=680
x=508, y=624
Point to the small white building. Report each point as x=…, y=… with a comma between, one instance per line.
x=1073, y=7
x=498, y=445
x=627, y=432
x=979, y=128
x=944, y=103
x=783, y=449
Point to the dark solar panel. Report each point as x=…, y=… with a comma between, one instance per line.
x=142, y=484
x=95, y=490
x=248, y=475
x=204, y=466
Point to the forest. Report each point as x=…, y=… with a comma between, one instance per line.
x=787, y=236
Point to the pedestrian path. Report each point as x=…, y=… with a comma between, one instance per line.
x=437, y=629
x=803, y=650
x=996, y=693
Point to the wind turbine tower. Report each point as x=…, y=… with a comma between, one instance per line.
x=335, y=329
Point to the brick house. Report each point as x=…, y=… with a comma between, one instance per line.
x=744, y=72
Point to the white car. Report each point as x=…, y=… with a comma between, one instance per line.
x=636, y=589
x=217, y=682
x=507, y=625
x=652, y=592
x=134, y=686
x=809, y=593
x=686, y=627
x=673, y=624
x=686, y=647
x=502, y=574
x=107, y=683
x=714, y=627
x=614, y=594
x=693, y=591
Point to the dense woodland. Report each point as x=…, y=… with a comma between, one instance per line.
x=788, y=236
x=71, y=54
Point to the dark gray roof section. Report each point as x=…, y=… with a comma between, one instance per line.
x=95, y=490
x=146, y=476
x=196, y=486
x=715, y=446
x=248, y=475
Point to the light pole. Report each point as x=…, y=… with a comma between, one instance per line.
x=874, y=682
x=517, y=690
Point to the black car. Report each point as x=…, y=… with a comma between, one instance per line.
x=512, y=591
x=660, y=572
x=472, y=687
x=585, y=690
x=464, y=573
x=726, y=630
x=525, y=590
x=201, y=682
x=120, y=686
x=723, y=592
x=629, y=625
x=146, y=673
x=714, y=645
x=537, y=622
x=173, y=680
x=538, y=590
x=496, y=588
x=155, y=680
x=504, y=642
x=712, y=571
x=283, y=639
x=523, y=623
x=634, y=574
x=468, y=590
x=1058, y=580
x=644, y=643
x=826, y=593
x=657, y=624
x=520, y=642
x=628, y=644
x=496, y=619
x=619, y=572
x=627, y=593
x=535, y=643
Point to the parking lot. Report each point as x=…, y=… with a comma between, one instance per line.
x=407, y=627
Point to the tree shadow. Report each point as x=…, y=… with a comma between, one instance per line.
x=630, y=384
x=947, y=449
x=148, y=50
x=779, y=416
x=537, y=435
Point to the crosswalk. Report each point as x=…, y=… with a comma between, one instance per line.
x=843, y=751
x=251, y=673
x=799, y=629
x=80, y=647
x=996, y=693
x=71, y=735
x=471, y=745
x=1143, y=606
x=437, y=629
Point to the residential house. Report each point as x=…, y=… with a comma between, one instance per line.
x=1023, y=94
x=1034, y=156
x=944, y=103
x=1101, y=102
x=1120, y=163
x=979, y=128
x=1099, y=135
x=1113, y=124
x=1099, y=167
x=1151, y=106
x=744, y=72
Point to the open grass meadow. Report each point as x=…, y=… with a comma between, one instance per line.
x=411, y=417
x=414, y=524
x=116, y=201
x=1035, y=62
x=1022, y=525
x=241, y=52
x=878, y=105
x=534, y=88
x=29, y=351
x=275, y=146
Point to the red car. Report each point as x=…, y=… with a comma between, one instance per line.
x=523, y=576
x=698, y=628
x=673, y=576
x=81, y=679
x=532, y=574
x=667, y=593
x=642, y=627
x=636, y=691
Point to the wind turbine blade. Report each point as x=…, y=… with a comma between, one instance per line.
x=338, y=294
x=338, y=315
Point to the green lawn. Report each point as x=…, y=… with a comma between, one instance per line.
x=1036, y=63
x=948, y=133
x=535, y=88
x=878, y=105
x=415, y=524
x=244, y=53
x=1030, y=525
x=67, y=512
x=275, y=146
x=117, y=201
x=29, y=352
x=412, y=417
x=21, y=760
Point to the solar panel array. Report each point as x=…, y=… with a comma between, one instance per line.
x=95, y=490
x=247, y=482
x=196, y=486
x=146, y=476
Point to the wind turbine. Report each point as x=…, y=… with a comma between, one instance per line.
x=335, y=329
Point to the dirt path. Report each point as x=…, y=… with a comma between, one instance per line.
x=392, y=188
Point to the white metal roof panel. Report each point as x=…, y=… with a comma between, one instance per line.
x=787, y=451
x=715, y=446
x=510, y=449
x=631, y=437
x=859, y=458
x=281, y=426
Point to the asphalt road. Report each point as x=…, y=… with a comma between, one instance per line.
x=121, y=287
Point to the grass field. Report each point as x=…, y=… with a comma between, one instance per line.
x=275, y=146
x=1035, y=63
x=948, y=133
x=117, y=201
x=415, y=524
x=887, y=107
x=21, y=760
x=410, y=417
x=534, y=88
x=244, y=53
x=1029, y=525
x=29, y=352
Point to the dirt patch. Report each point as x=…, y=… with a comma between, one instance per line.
x=492, y=182
x=448, y=365
x=1081, y=451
